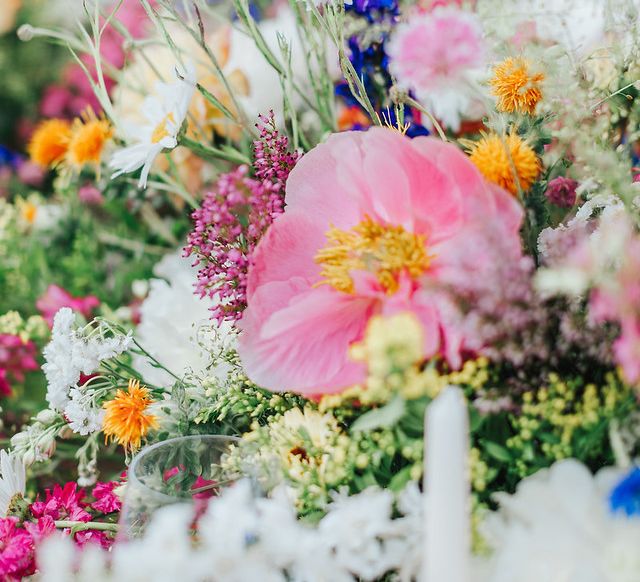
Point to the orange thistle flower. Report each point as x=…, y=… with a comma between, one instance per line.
x=507, y=161
x=517, y=88
x=89, y=134
x=50, y=142
x=127, y=419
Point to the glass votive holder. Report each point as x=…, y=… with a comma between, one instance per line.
x=190, y=469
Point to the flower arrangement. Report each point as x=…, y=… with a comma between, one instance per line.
x=387, y=249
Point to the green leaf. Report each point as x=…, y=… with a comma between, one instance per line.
x=498, y=452
x=388, y=415
x=400, y=479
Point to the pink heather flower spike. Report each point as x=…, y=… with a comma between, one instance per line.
x=55, y=298
x=234, y=216
x=300, y=321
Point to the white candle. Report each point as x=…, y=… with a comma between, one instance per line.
x=446, y=482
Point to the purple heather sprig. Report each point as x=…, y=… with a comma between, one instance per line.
x=234, y=216
x=272, y=159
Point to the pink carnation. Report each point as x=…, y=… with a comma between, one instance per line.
x=16, y=550
x=62, y=503
x=56, y=297
x=298, y=326
x=431, y=50
x=106, y=501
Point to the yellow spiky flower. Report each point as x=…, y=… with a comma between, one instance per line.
x=50, y=142
x=127, y=419
x=89, y=135
x=507, y=161
x=517, y=88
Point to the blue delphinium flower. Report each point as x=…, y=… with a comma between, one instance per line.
x=626, y=495
x=371, y=63
x=7, y=157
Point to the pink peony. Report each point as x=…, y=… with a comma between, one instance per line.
x=56, y=297
x=404, y=218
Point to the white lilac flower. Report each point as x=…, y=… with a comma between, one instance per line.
x=70, y=353
x=165, y=113
x=12, y=480
x=173, y=321
x=356, y=528
x=83, y=415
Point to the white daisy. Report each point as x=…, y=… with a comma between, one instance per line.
x=165, y=112
x=12, y=480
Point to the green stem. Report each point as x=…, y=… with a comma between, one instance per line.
x=77, y=526
x=207, y=151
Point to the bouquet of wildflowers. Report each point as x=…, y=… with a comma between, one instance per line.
x=312, y=225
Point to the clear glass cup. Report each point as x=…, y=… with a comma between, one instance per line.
x=188, y=469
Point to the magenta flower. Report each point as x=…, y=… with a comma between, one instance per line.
x=375, y=223
x=5, y=387
x=16, y=358
x=56, y=297
x=41, y=528
x=16, y=550
x=106, y=501
x=62, y=503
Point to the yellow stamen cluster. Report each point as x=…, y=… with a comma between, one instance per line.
x=161, y=131
x=384, y=250
x=88, y=138
x=127, y=419
x=516, y=87
x=49, y=143
x=507, y=161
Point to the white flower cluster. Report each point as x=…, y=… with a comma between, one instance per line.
x=246, y=538
x=173, y=324
x=558, y=528
x=71, y=353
